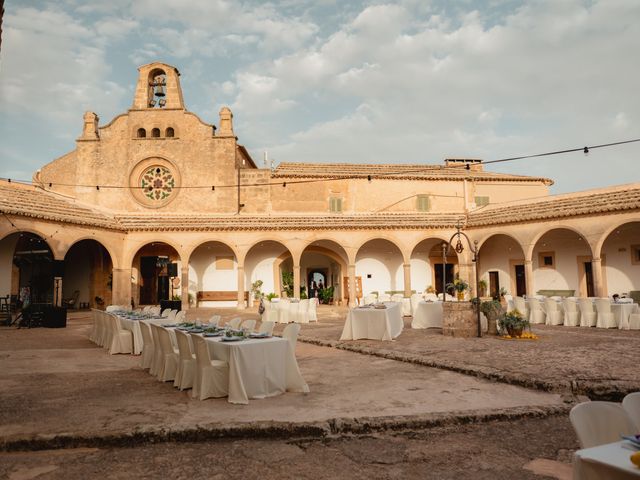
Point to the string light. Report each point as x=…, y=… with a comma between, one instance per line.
x=418, y=169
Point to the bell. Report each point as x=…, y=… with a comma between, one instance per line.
x=159, y=91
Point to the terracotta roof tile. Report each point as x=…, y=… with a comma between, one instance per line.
x=584, y=203
x=394, y=171
x=30, y=201
x=385, y=221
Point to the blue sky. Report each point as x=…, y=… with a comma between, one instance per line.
x=411, y=81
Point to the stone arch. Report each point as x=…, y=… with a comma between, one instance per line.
x=388, y=238
x=501, y=264
x=105, y=245
x=267, y=264
x=619, y=253
x=141, y=133
x=153, y=282
x=170, y=132
x=379, y=264
x=333, y=277
x=89, y=272
x=155, y=132
x=426, y=264
x=608, y=231
x=534, y=240
x=213, y=267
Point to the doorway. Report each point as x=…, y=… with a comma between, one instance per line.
x=521, y=281
x=440, y=281
x=155, y=280
x=588, y=278
x=317, y=277
x=494, y=285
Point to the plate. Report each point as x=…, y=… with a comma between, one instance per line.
x=259, y=335
x=217, y=334
x=634, y=439
x=231, y=339
x=195, y=330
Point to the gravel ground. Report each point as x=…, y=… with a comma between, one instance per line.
x=495, y=450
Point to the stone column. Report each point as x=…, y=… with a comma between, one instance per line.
x=121, y=286
x=407, y=280
x=598, y=286
x=351, y=271
x=296, y=281
x=57, y=292
x=528, y=277
x=184, y=287
x=241, y=304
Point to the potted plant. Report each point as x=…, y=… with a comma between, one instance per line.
x=256, y=290
x=514, y=323
x=325, y=295
x=271, y=296
x=287, y=283
x=460, y=286
x=482, y=288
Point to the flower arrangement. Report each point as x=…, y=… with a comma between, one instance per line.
x=458, y=285
x=514, y=323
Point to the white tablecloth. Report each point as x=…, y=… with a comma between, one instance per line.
x=258, y=368
x=427, y=315
x=621, y=312
x=288, y=311
x=610, y=461
x=374, y=324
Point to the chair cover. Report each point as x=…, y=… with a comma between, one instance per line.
x=212, y=376
x=370, y=298
x=249, y=325
x=536, y=314
x=384, y=297
x=235, y=323
x=267, y=327
x=148, y=347
x=597, y=423
x=554, y=315
x=290, y=332
x=121, y=340
x=587, y=315
x=157, y=351
x=571, y=313
x=397, y=297
x=186, y=362
x=180, y=316
x=170, y=357
x=631, y=405
x=634, y=321
x=605, y=317
x=303, y=311
x=415, y=299
x=215, y=320
x=520, y=305
x=312, y=310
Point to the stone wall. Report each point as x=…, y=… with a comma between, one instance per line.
x=459, y=319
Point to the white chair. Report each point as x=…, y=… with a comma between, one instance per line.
x=370, y=298
x=172, y=316
x=415, y=299
x=157, y=351
x=303, y=311
x=270, y=313
x=290, y=332
x=605, y=317
x=634, y=321
x=100, y=327
x=520, y=305
x=631, y=405
x=165, y=313
x=148, y=347
x=214, y=321
x=294, y=308
x=313, y=310
x=571, y=313
x=113, y=308
x=554, y=315
x=121, y=340
x=249, y=325
x=587, y=315
x=212, y=376
x=235, y=323
x=384, y=297
x=433, y=297
x=170, y=357
x=598, y=423
x=283, y=310
x=536, y=314
x=267, y=327
x=186, y=362
x=180, y=316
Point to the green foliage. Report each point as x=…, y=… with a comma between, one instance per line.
x=287, y=283
x=513, y=319
x=256, y=289
x=492, y=310
x=325, y=295
x=303, y=293
x=458, y=285
x=271, y=296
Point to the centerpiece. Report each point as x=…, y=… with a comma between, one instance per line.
x=513, y=323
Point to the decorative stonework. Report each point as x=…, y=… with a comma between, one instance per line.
x=154, y=182
x=157, y=183
x=459, y=319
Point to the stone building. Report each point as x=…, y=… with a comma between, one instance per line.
x=158, y=203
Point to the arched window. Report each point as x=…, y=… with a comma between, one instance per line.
x=169, y=132
x=155, y=133
x=142, y=133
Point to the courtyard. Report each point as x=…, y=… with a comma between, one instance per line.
x=422, y=403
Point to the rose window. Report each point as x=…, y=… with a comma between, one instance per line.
x=157, y=183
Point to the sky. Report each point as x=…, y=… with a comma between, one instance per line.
x=334, y=81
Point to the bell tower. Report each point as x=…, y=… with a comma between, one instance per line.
x=158, y=88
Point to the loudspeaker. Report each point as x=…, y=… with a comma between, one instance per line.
x=172, y=269
x=58, y=268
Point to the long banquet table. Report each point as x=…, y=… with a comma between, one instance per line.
x=133, y=325
x=610, y=461
x=621, y=312
x=258, y=368
x=374, y=324
x=427, y=315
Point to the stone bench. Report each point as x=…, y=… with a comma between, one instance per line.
x=218, y=296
